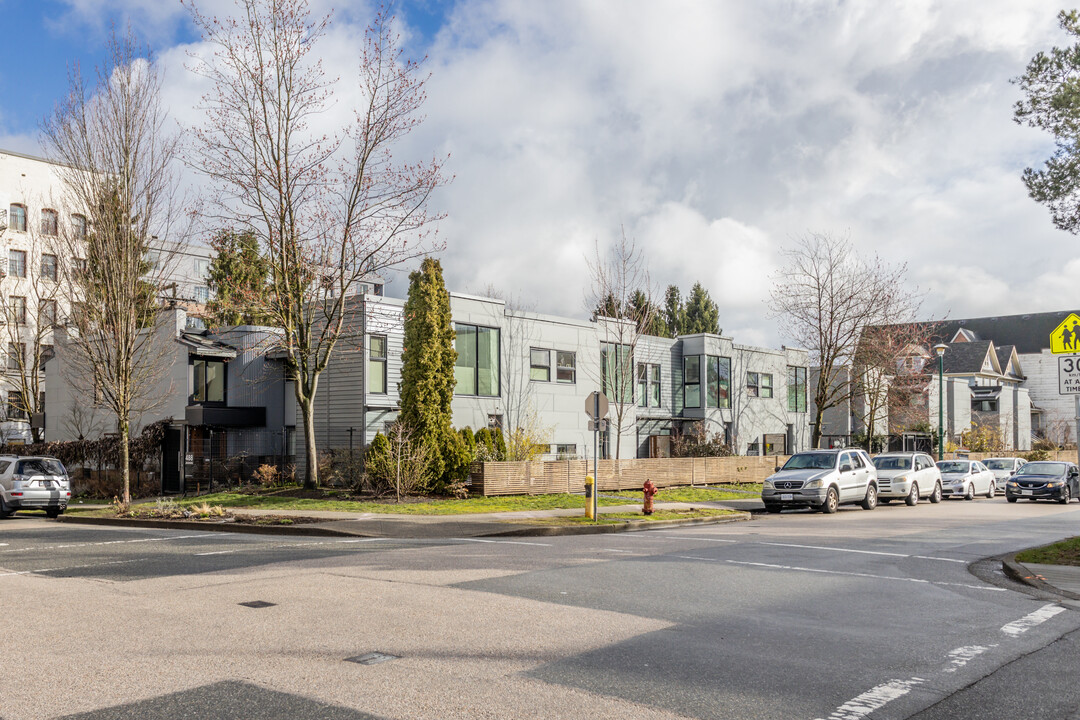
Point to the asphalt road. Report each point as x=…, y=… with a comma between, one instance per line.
x=883, y=614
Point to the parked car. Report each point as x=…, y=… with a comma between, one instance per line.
x=822, y=480
x=966, y=479
x=33, y=483
x=1002, y=469
x=908, y=476
x=1044, y=481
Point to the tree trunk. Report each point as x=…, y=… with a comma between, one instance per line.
x=311, y=460
x=125, y=464
x=815, y=436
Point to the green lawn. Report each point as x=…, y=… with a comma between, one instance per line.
x=441, y=506
x=1066, y=552
x=618, y=518
x=713, y=493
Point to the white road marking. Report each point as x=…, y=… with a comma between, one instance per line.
x=863, y=552
x=774, y=566
x=219, y=552
x=1021, y=626
x=616, y=551
x=111, y=542
x=706, y=539
x=874, y=698
x=500, y=542
x=961, y=656
x=70, y=567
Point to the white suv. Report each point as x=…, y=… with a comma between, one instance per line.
x=907, y=476
x=822, y=480
x=33, y=483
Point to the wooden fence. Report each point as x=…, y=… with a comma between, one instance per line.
x=568, y=476
x=541, y=478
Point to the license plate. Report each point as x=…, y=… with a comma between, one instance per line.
x=1025, y=492
x=787, y=496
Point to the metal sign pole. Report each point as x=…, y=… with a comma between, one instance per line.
x=1077, y=399
x=596, y=454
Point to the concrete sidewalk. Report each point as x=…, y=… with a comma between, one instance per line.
x=395, y=525
x=1060, y=579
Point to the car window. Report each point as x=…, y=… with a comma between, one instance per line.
x=856, y=458
x=39, y=466
x=885, y=462
x=953, y=466
x=4, y=465
x=1042, y=468
x=1000, y=464
x=811, y=461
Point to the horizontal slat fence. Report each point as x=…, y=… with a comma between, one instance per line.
x=541, y=478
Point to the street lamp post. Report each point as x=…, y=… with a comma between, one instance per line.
x=940, y=350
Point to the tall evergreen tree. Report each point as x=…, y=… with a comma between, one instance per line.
x=701, y=314
x=647, y=316
x=674, y=315
x=238, y=277
x=608, y=307
x=427, y=371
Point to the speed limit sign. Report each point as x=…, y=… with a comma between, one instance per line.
x=1069, y=375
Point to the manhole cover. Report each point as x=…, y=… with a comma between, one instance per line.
x=372, y=658
x=258, y=604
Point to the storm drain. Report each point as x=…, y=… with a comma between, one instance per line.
x=258, y=604
x=372, y=658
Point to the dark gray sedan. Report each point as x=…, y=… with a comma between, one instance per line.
x=1043, y=480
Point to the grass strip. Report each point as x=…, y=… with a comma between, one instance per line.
x=1066, y=552
x=440, y=506
x=621, y=518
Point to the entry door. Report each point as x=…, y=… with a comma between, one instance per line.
x=172, y=461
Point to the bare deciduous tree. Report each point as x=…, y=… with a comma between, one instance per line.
x=328, y=209
x=616, y=276
x=823, y=298
x=115, y=160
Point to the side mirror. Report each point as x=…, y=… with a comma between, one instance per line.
x=846, y=467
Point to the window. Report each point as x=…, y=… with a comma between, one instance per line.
x=17, y=218
x=796, y=389
x=759, y=385
x=47, y=313
x=202, y=267
x=654, y=386
x=616, y=366
x=692, y=381
x=565, y=367
x=753, y=448
x=50, y=223
x=47, y=354
x=80, y=265
x=49, y=267
x=78, y=226
x=540, y=365
x=209, y=381
x=566, y=452
x=17, y=263
x=476, y=371
x=648, y=382
x=377, y=364
x=16, y=353
x=18, y=309
x=152, y=257
x=16, y=408
x=718, y=379
x=990, y=405
x=202, y=294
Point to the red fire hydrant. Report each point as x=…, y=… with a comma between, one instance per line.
x=649, y=490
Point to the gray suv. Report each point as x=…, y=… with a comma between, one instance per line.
x=33, y=483
x=822, y=480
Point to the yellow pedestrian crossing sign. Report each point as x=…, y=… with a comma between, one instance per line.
x=1065, y=338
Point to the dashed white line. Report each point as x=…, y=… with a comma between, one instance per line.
x=706, y=539
x=70, y=567
x=1021, y=626
x=961, y=656
x=775, y=566
x=873, y=699
x=219, y=552
x=501, y=542
x=110, y=542
x=863, y=552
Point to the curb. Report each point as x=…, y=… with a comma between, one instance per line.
x=317, y=530
x=1020, y=573
x=209, y=526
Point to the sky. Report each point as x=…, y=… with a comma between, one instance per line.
x=715, y=133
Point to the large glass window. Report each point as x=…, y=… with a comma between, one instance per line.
x=642, y=385
x=50, y=223
x=566, y=367
x=17, y=218
x=654, y=386
x=718, y=382
x=759, y=385
x=540, y=365
x=78, y=226
x=209, y=381
x=616, y=370
x=377, y=364
x=48, y=266
x=17, y=263
x=692, y=381
x=477, y=368
x=796, y=389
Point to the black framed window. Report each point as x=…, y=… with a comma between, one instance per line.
x=692, y=381
x=654, y=386
x=565, y=367
x=377, y=364
x=616, y=368
x=209, y=381
x=718, y=382
x=540, y=365
x=759, y=384
x=476, y=371
x=796, y=389
x=16, y=406
x=642, y=385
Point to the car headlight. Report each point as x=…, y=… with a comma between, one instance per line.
x=901, y=479
x=1053, y=484
x=813, y=484
x=767, y=485
x=1012, y=483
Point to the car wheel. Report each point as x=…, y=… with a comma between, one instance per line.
x=870, y=501
x=1064, y=499
x=913, y=496
x=991, y=490
x=772, y=508
x=970, y=494
x=53, y=513
x=1010, y=499
x=935, y=497
x=832, y=502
